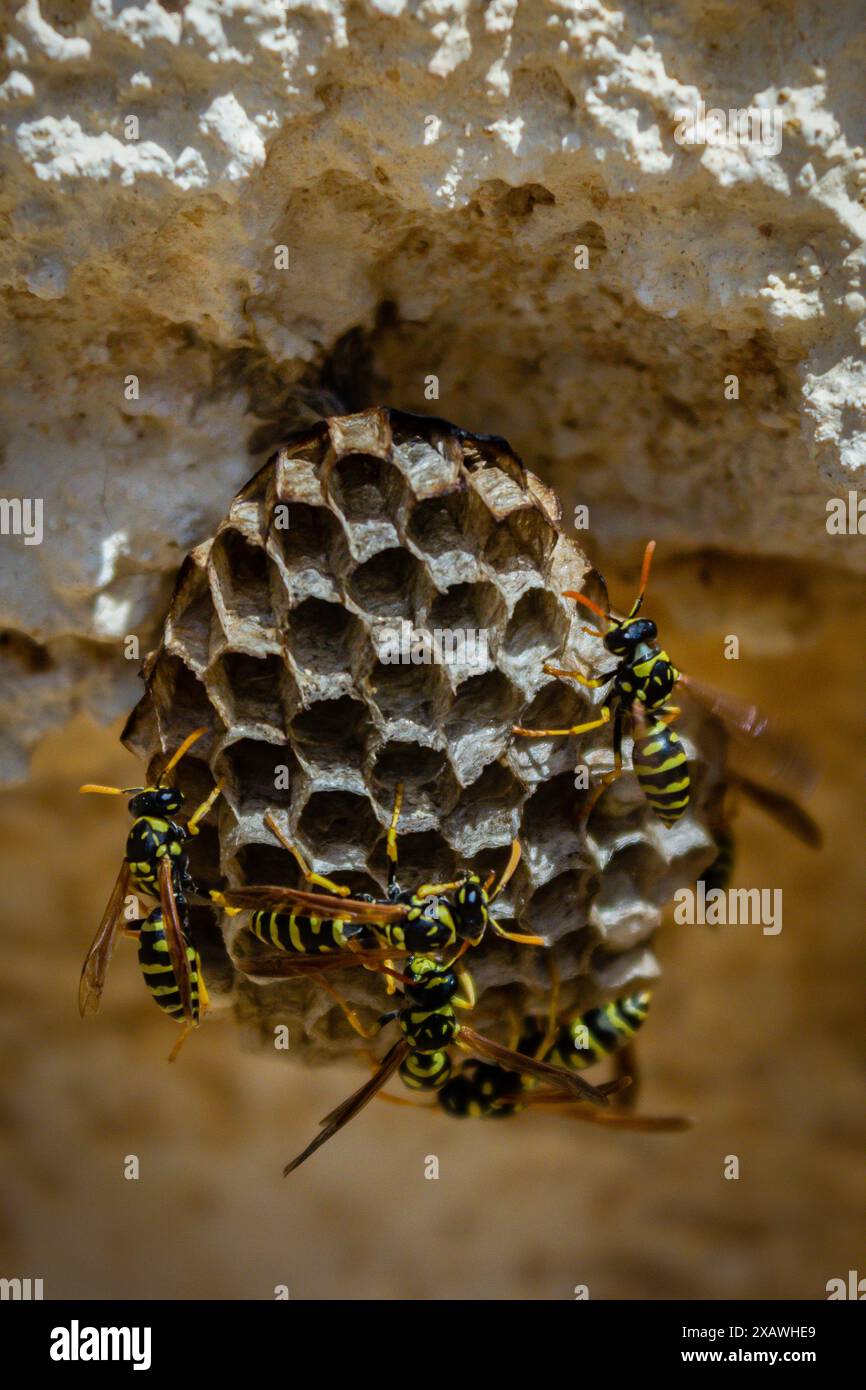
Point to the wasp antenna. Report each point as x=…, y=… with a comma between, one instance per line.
x=644, y=577
x=513, y=861
x=104, y=791
x=587, y=603
x=184, y=748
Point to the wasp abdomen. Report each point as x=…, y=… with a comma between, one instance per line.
x=662, y=769
x=156, y=966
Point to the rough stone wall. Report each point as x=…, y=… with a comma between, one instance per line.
x=430, y=169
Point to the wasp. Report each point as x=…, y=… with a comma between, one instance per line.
x=335, y=928
x=156, y=864
x=640, y=687
x=483, y=1091
x=429, y=1026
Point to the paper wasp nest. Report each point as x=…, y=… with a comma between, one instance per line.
x=360, y=534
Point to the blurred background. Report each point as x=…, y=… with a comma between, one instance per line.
x=759, y=1039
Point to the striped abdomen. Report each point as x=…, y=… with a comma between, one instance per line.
x=425, y=1071
x=662, y=769
x=428, y=1030
x=150, y=838
x=590, y=1037
x=159, y=976
x=305, y=935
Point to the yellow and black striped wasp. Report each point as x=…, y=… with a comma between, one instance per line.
x=640, y=688
x=485, y=1090
x=316, y=931
x=429, y=1026
x=155, y=863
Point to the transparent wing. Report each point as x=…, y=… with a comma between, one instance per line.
x=780, y=753
x=96, y=962
x=350, y=1108
x=175, y=938
x=572, y=1082
x=783, y=808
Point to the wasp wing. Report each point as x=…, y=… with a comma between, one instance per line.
x=355, y=1103
x=315, y=904
x=285, y=965
x=783, y=808
x=95, y=967
x=531, y=1066
x=175, y=938
x=788, y=766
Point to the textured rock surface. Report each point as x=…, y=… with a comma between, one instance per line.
x=429, y=169
x=280, y=641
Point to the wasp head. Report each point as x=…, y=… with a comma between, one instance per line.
x=624, y=638
x=156, y=801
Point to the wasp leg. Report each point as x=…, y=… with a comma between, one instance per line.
x=341, y=890
x=576, y=729
x=671, y=712
x=592, y=683
x=467, y=999
x=201, y=811
x=187, y=1029
x=552, y=1014
x=391, y=839
x=349, y=1012
x=609, y=777
x=625, y=1064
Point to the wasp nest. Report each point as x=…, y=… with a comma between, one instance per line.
x=376, y=608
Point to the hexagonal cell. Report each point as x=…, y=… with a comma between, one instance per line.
x=418, y=695
x=479, y=722
x=558, y=909
x=190, y=623
x=421, y=858
x=242, y=586
x=438, y=527
x=487, y=813
x=307, y=544
x=466, y=623
x=557, y=705
x=551, y=830
x=425, y=773
x=208, y=941
x=204, y=860
x=386, y=585
x=336, y=823
x=321, y=637
x=331, y=734
x=535, y=634
x=251, y=688
x=252, y=769
x=367, y=492
x=174, y=686
x=524, y=539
